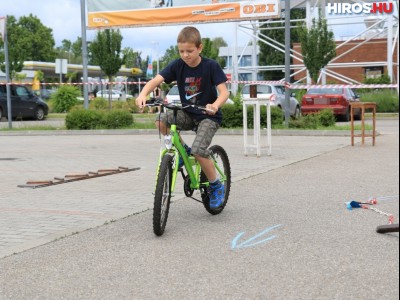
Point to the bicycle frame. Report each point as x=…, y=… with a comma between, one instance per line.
x=178, y=150
x=194, y=178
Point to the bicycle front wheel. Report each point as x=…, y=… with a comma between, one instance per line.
x=162, y=196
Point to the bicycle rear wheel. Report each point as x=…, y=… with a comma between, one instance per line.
x=162, y=195
x=222, y=160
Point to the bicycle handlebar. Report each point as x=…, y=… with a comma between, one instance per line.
x=177, y=106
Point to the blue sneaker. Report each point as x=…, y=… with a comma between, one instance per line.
x=216, y=192
x=188, y=151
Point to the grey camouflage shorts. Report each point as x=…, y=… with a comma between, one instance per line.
x=206, y=130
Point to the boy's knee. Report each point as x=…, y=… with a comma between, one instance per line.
x=202, y=152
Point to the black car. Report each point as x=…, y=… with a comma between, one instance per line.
x=24, y=104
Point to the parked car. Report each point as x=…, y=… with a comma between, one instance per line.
x=276, y=95
x=173, y=95
x=24, y=103
x=116, y=95
x=336, y=99
x=45, y=94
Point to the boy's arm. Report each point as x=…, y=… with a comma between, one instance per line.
x=223, y=95
x=147, y=89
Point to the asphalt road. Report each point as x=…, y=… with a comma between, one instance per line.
x=285, y=234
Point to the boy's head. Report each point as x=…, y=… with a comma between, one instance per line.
x=189, y=35
x=190, y=46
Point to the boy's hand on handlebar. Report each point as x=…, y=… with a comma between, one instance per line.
x=141, y=101
x=211, y=109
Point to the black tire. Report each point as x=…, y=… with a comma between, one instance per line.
x=162, y=195
x=1, y=113
x=297, y=113
x=39, y=114
x=223, y=161
x=346, y=116
x=357, y=117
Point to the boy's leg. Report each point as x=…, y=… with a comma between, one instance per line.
x=205, y=133
x=164, y=120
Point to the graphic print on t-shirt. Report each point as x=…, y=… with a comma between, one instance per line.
x=192, y=89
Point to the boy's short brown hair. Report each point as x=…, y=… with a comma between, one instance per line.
x=191, y=35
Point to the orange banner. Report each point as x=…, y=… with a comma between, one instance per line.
x=219, y=12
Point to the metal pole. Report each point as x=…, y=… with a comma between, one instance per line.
x=235, y=75
x=61, y=69
x=84, y=55
x=158, y=58
x=254, y=54
x=9, y=111
x=287, y=62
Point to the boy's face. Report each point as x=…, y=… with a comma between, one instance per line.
x=190, y=53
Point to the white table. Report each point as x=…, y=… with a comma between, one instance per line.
x=257, y=141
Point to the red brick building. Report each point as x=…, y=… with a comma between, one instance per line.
x=371, y=58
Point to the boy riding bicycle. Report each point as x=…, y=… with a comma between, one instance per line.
x=201, y=81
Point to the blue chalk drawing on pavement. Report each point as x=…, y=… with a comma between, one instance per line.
x=251, y=242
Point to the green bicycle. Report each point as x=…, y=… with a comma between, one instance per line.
x=193, y=177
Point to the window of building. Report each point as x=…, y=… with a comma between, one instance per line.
x=373, y=72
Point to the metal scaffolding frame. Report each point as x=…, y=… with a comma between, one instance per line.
x=386, y=25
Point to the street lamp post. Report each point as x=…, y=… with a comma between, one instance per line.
x=158, y=58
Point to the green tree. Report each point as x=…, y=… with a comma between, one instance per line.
x=37, y=39
x=318, y=46
x=131, y=58
x=171, y=54
x=16, y=50
x=106, y=53
x=70, y=51
x=209, y=50
x=28, y=39
x=269, y=56
x=219, y=42
x=76, y=49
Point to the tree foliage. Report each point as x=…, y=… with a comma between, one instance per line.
x=171, y=54
x=131, y=58
x=28, y=39
x=317, y=45
x=106, y=53
x=270, y=56
x=72, y=51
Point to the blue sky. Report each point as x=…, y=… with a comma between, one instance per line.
x=64, y=17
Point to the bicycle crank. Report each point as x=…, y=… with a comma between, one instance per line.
x=186, y=186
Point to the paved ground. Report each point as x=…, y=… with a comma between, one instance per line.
x=321, y=250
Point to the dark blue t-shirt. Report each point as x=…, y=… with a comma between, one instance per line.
x=196, y=85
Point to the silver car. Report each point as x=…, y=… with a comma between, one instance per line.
x=173, y=95
x=276, y=95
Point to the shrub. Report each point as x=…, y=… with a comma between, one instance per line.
x=64, y=99
x=233, y=116
x=383, y=79
x=311, y=121
x=131, y=104
x=98, y=119
x=117, y=119
x=84, y=119
x=277, y=116
x=98, y=104
x=326, y=117
x=386, y=100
